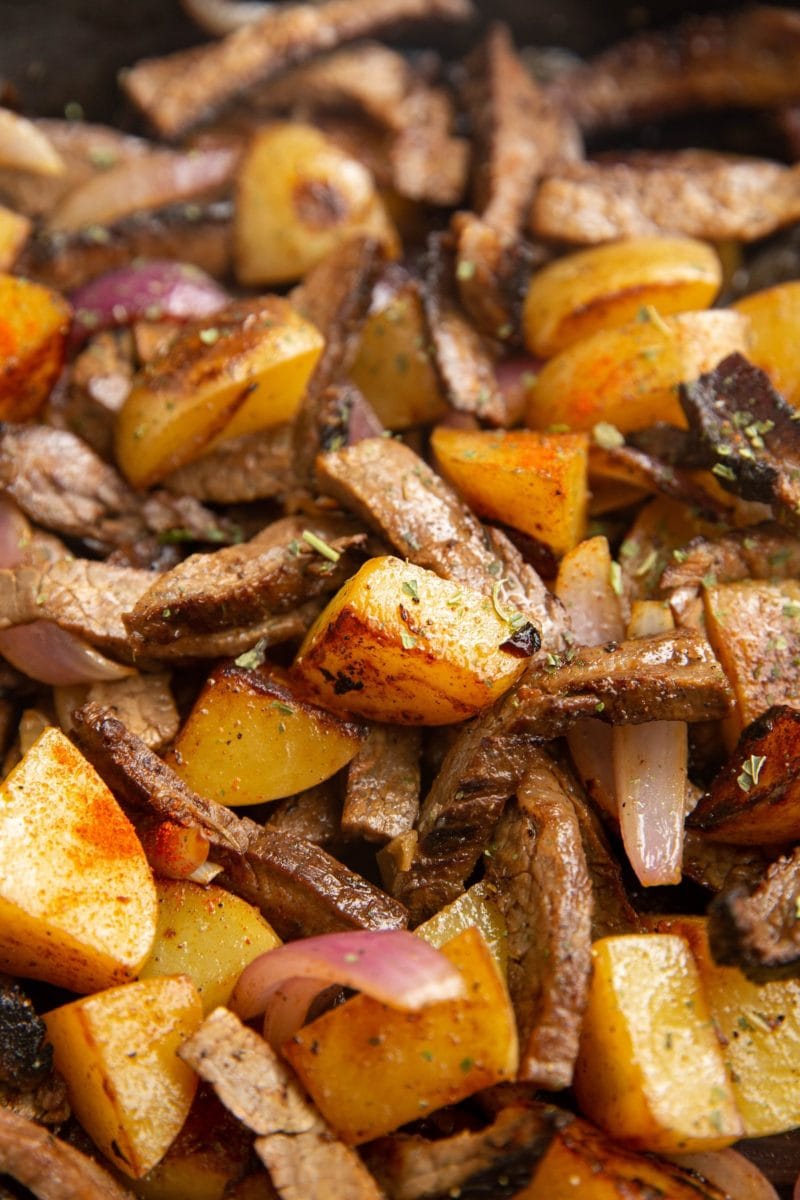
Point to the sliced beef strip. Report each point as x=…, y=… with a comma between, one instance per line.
x=757, y=929
x=25, y=1056
x=765, y=551
x=672, y=677
x=744, y=59
x=428, y=163
x=99, y=383
x=519, y=134
x=643, y=469
x=750, y=434
x=300, y=889
x=143, y=703
x=715, y=866
x=305, y=1159
x=335, y=297
x=271, y=630
x=83, y=597
x=314, y=815
x=697, y=193
x=49, y=1167
x=46, y=1103
x=395, y=492
x=175, y=92
x=255, y=466
x=381, y=798
x=196, y=232
x=409, y=1166
x=273, y=573
x=538, y=867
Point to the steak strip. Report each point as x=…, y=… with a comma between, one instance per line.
x=305, y=1159
x=49, y=1167
x=539, y=869
x=177, y=91
x=381, y=798
x=254, y=466
x=756, y=929
x=666, y=677
x=300, y=889
x=758, y=552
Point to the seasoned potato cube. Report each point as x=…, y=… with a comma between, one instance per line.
x=245, y=370
x=422, y=1060
x=650, y=1068
x=759, y=1027
x=629, y=376
x=583, y=1164
x=117, y=1052
x=774, y=316
x=299, y=196
x=253, y=736
x=14, y=230
x=393, y=366
x=535, y=482
x=606, y=286
x=77, y=902
x=397, y=643
x=753, y=628
x=476, y=906
x=34, y=322
x=208, y=934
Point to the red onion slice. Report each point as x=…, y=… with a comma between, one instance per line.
x=149, y=290
x=52, y=655
x=392, y=966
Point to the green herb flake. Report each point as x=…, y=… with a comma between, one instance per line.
x=253, y=657
x=286, y=709
x=210, y=336
x=321, y=547
x=465, y=270
x=615, y=578
x=751, y=770
x=723, y=472
x=467, y=1064
x=411, y=588
x=408, y=642
x=607, y=436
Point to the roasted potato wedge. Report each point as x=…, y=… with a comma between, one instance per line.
x=34, y=322
x=774, y=316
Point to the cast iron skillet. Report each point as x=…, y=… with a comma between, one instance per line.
x=59, y=52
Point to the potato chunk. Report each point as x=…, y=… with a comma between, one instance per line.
x=606, y=286
x=253, y=736
x=774, y=316
x=476, y=906
x=535, y=482
x=77, y=901
x=629, y=376
x=34, y=322
x=398, y=643
x=208, y=934
x=117, y=1052
x=370, y=1068
x=245, y=369
x=650, y=1068
x=14, y=232
x=298, y=197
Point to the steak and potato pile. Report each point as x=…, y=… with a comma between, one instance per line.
x=400, y=620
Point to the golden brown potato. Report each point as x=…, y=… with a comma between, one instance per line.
x=476, y=906
x=246, y=369
x=253, y=736
x=393, y=365
x=77, y=901
x=298, y=196
x=117, y=1052
x=628, y=377
x=370, y=1068
x=398, y=643
x=535, y=482
x=208, y=934
x=774, y=316
x=606, y=286
x=650, y=1070
x=34, y=322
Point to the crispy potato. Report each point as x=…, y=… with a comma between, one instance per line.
x=581, y=1163
x=298, y=196
x=14, y=231
x=253, y=736
x=423, y=1060
x=606, y=286
x=208, y=934
x=117, y=1052
x=34, y=322
x=759, y=1028
x=245, y=370
x=650, y=1069
x=398, y=643
x=753, y=628
x=476, y=906
x=77, y=901
x=774, y=316
x=535, y=482
x=629, y=376
x=393, y=365
x=211, y=1152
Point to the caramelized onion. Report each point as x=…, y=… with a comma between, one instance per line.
x=24, y=147
x=144, y=290
x=392, y=966
x=220, y=17
x=52, y=655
